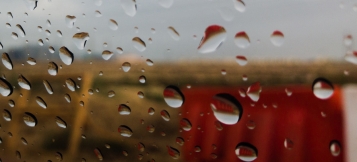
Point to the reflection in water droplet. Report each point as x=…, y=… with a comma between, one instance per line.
x=9, y=16
x=185, y=124
x=174, y=153
x=288, y=144
x=239, y=5
x=119, y=50
x=223, y=72
x=6, y=115
x=98, y=153
x=218, y=125
x=23, y=82
x=48, y=86
x=244, y=77
x=8, y=25
x=197, y=149
x=5, y=87
x=51, y=49
x=253, y=91
x=288, y=92
x=71, y=85
x=39, y=28
x=18, y=155
x=60, y=122
x=111, y=93
x=213, y=37
x=20, y=30
x=6, y=61
x=151, y=111
x=180, y=141
x=59, y=33
x=97, y=13
x=11, y=103
x=68, y=98
x=40, y=42
x=52, y=68
x=129, y=7
x=246, y=151
x=335, y=148
x=125, y=131
x=139, y=44
x=48, y=33
x=14, y=35
x=58, y=156
x=80, y=39
x=142, y=79
x=141, y=94
x=31, y=4
x=150, y=128
x=113, y=24
x=41, y=102
x=250, y=124
x=277, y=38
x=322, y=88
x=124, y=109
x=226, y=108
x=149, y=62
x=106, y=55
x=226, y=13
x=165, y=115
x=66, y=55
x=173, y=33
x=241, y=39
x=29, y=119
x=70, y=20
x=173, y=97
x=24, y=141
x=126, y=66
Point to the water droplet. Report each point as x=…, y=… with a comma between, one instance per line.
x=14, y=35
x=244, y=77
x=6, y=115
x=9, y=16
x=125, y=131
x=151, y=111
x=246, y=152
x=98, y=153
x=165, y=3
x=197, y=149
x=106, y=55
x=20, y=30
x=335, y=148
x=80, y=39
x=150, y=128
x=70, y=20
x=18, y=155
x=226, y=108
x=180, y=141
x=48, y=86
x=141, y=94
x=124, y=109
x=125, y=153
x=51, y=49
x=52, y=68
x=139, y=44
x=29, y=119
x=113, y=24
x=185, y=124
x=174, y=153
x=277, y=38
x=66, y=55
x=239, y=5
x=142, y=79
x=31, y=4
x=24, y=141
x=6, y=61
x=39, y=28
x=173, y=33
x=40, y=42
x=11, y=103
x=5, y=87
x=68, y=98
x=111, y=93
x=250, y=124
x=41, y=102
x=100, y=73
x=48, y=33
x=126, y=66
x=107, y=146
x=213, y=37
x=242, y=40
x=71, y=85
x=253, y=91
x=351, y=56
x=23, y=82
x=119, y=50
x=288, y=144
x=58, y=156
x=59, y=33
x=223, y=72
x=288, y=92
x=165, y=115
x=129, y=7
x=322, y=88
x=8, y=25
x=218, y=125
x=149, y=62
x=173, y=97
x=97, y=13
x=60, y=122
x=226, y=13
x=347, y=40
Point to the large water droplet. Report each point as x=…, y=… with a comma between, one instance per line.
x=52, y=68
x=139, y=44
x=41, y=102
x=335, y=148
x=60, y=122
x=239, y=5
x=98, y=154
x=125, y=131
x=213, y=37
x=253, y=91
x=20, y=30
x=11, y=103
x=6, y=61
x=226, y=108
x=322, y=88
x=31, y=4
x=124, y=109
x=165, y=115
x=70, y=20
x=277, y=38
x=113, y=24
x=80, y=39
x=23, y=82
x=6, y=115
x=66, y=55
x=174, y=153
x=246, y=151
x=185, y=124
x=5, y=87
x=173, y=33
x=29, y=119
x=126, y=66
x=173, y=97
x=48, y=86
x=106, y=54
x=71, y=85
x=242, y=40
x=288, y=144
x=129, y=7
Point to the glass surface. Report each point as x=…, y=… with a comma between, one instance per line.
x=178, y=80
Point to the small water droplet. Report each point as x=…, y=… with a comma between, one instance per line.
x=288, y=92
x=8, y=25
x=129, y=7
x=150, y=128
x=29, y=119
x=51, y=49
x=58, y=156
x=31, y=4
x=39, y=28
x=66, y=55
x=242, y=40
x=119, y=50
x=97, y=13
x=20, y=30
x=113, y=24
x=173, y=97
x=90, y=91
x=81, y=103
x=250, y=124
x=277, y=38
x=41, y=102
x=322, y=88
x=351, y=56
x=348, y=40
x=239, y=5
x=141, y=94
x=174, y=153
x=126, y=66
x=59, y=33
x=6, y=115
x=139, y=44
x=48, y=33
x=185, y=124
x=226, y=13
x=241, y=60
x=106, y=55
x=151, y=111
x=288, y=144
x=80, y=39
x=226, y=108
x=18, y=155
x=11, y=103
x=125, y=131
x=23, y=82
x=165, y=115
x=213, y=37
x=70, y=20
x=173, y=33
x=124, y=109
x=52, y=68
x=149, y=62
x=335, y=148
x=98, y=153
x=223, y=72
x=48, y=86
x=165, y=3
x=142, y=79
x=60, y=122
x=6, y=61
x=5, y=87
x=253, y=91
x=180, y=141
x=111, y=93
x=24, y=141
x=125, y=153
x=218, y=125
x=197, y=149
x=9, y=16
x=246, y=152
x=14, y=35
x=70, y=84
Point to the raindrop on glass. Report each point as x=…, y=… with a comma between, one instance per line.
x=226, y=108
x=322, y=88
x=52, y=68
x=41, y=102
x=69, y=20
x=242, y=40
x=277, y=38
x=173, y=96
x=6, y=61
x=124, y=109
x=106, y=55
x=98, y=154
x=80, y=39
x=125, y=131
x=253, y=91
x=174, y=153
x=6, y=115
x=151, y=111
x=239, y=5
x=246, y=152
x=185, y=124
x=23, y=82
x=173, y=33
x=129, y=7
x=66, y=55
x=288, y=144
x=335, y=148
x=126, y=66
x=60, y=122
x=213, y=37
x=113, y=24
x=71, y=85
x=139, y=44
x=29, y=119
x=165, y=115
x=141, y=94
